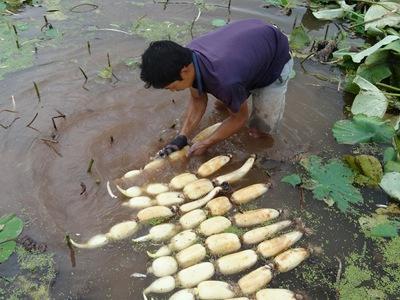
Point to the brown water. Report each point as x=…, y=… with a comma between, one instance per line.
x=44, y=186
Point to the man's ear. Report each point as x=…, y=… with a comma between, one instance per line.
x=184, y=71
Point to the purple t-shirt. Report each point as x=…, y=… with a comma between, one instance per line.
x=238, y=58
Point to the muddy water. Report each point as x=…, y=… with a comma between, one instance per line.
x=119, y=125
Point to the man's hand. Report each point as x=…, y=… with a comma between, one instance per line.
x=176, y=144
x=198, y=148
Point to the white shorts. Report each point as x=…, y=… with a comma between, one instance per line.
x=267, y=104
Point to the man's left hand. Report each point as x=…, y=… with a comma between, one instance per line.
x=198, y=149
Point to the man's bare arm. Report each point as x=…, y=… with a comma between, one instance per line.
x=194, y=112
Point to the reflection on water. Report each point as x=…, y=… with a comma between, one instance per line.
x=119, y=125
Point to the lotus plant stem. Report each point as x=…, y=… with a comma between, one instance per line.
x=71, y=250
x=108, y=60
x=89, y=169
x=339, y=272
x=88, y=47
x=33, y=120
x=15, y=29
x=388, y=86
x=9, y=125
x=56, y=117
x=326, y=32
x=37, y=90
x=228, y=19
x=391, y=94
x=52, y=148
x=165, y=4
x=194, y=21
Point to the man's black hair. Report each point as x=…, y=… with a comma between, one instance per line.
x=162, y=63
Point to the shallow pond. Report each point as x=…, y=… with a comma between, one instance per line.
x=119, y=124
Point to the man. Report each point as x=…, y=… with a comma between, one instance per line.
x=247, y=57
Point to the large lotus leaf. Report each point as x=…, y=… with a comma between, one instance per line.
x=370, y=101
x=6, y=249
x=382, y=15
x=382, y=64
x=11, y=229
x=335, y=13
x=4, y=219
x=391, y=184
x=362, y=129
x=358, y=57
x=333, y=182
x=299, y=38
x=367, y=169
x=389, y=154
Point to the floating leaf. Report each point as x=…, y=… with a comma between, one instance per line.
x=379, y=65
x=4, y=219
x=11, y=230
x=299, y=39
x=370, y=101
x=218, y=22
x=106, y=73
x=358, y=57
x=367, y=169
x=379, y=225
x=381, y=15
x=362, y=129
x=391, y=184
x=333, y=182
x=6, y=249
x=293, y=179
x=335, y=13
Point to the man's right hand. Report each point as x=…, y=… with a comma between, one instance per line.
x=176, y=144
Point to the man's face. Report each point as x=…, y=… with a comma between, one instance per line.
x=187, y=77
x=178, y=85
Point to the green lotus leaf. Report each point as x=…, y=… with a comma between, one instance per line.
x=358, y=57
x=293, y=179
x=382, y=15
x=333, y=182
x=106, y=73
x=11, y=230
x=362, y=129
x=379, y=226
x=367, y=169
x=390, y=183
x=370, y=101
x=6, y=249
x=299, y=39
x=392, y=166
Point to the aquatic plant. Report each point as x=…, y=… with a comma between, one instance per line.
x=10, y=228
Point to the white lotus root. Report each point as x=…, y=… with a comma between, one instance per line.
x=193, y=275
x=200, y=202
x=153, y=212
x=131, y=192
x=191, y=255
x=214, y=225
x=259, y=234
x=255, y=280
x=274, y=246
x=161, y=285
x=273, y=294
x=249, y=193
x=160, y=233
x=212, y=289
x=117, y=232
x=205, y=133
x=122, y=230
x=213, y=165
x=290, y=259
x=237, y=174
x=179, y=181
x=185, y=294
x=193, y=218
x=223, y=243
x=219, y=206
x=255, y=217
x=132, y=174
x=163, y=266
x=198, y=188
x=236, y=262
x=178, y=242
